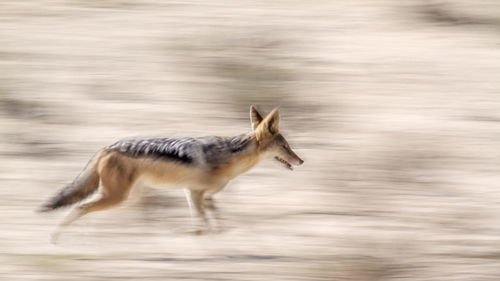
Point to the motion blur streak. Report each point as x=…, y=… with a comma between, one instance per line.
x=393, y=105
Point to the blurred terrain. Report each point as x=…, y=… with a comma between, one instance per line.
x=393, y=105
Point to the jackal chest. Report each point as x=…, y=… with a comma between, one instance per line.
x=235, y=168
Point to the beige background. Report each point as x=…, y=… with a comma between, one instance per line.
x=393, y=105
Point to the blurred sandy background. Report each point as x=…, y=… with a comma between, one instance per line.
x=393, y=105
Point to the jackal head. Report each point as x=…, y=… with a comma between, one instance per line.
x=270, y=142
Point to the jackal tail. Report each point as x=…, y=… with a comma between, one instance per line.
x=82, y=186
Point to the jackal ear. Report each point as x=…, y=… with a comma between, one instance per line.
x=255, y=117
x=272, y=121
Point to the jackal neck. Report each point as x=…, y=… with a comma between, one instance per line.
x=240, y=143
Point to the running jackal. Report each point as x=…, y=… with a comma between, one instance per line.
x=203, y=166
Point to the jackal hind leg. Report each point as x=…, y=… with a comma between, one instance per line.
x=102, y=202
x=114, y=191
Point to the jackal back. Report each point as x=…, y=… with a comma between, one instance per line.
x=211, y=151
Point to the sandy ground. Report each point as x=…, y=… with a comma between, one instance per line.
x=393, y=105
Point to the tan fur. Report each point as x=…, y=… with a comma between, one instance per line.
x=119, y=173
x=237, y=166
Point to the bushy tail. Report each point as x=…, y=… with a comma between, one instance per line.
x=83, y=186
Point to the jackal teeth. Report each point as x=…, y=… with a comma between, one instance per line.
x=288, y=165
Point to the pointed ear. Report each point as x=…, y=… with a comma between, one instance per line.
x=272, y=121
x=255, y=117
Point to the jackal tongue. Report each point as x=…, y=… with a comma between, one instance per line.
x=288, y=165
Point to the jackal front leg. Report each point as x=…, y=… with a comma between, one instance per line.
x=195, y=201
x=211, y=206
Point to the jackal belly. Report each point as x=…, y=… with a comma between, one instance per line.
x=160, y=173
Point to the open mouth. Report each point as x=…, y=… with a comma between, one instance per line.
x=288, y=165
